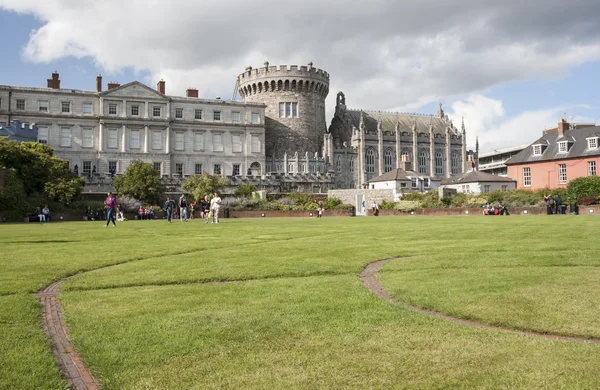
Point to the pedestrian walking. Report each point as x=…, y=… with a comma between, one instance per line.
x=215, y=205
x=111, y=205
x=169, y=206
x=183, y=208
x=205, y=205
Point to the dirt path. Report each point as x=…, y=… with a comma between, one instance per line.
x=78, y=375
x=369, y=279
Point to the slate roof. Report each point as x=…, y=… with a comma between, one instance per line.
x=578, y=146
x=405, y=121
x=399, y=174
x=477, y=177
x=16, y=132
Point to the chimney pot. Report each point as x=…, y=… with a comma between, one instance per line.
x=160, y=86
x=191, y=93
x=112, y=85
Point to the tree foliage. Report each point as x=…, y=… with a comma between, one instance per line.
x=35, y=176
x=244, y=190
x=140, y=181
x=201, y=185
x=583, y=186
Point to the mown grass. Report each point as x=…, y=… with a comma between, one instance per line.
x=296, y=315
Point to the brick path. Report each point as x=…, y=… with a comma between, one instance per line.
x=55, y=327
x=369, y=279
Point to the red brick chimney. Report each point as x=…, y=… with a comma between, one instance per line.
x=160, y=87
x=562, y=126
x=54, y=82
x=99, y=83
x=111, y=85
x=191, y=92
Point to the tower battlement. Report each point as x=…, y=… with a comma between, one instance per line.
x=303, y=79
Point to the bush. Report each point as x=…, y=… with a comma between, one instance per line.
x=587, y=200
x=244, y=190
x=385, y=205
x=406, y=205
x=129, y=205
x=583, y=186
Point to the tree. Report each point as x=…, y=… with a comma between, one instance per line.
x=583, y=186
x=244, y=190
x=62, y=185
x=201, y=185
x=140, y=181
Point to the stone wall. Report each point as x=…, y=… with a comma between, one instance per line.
x=369, y=196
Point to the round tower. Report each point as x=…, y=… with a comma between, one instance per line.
x=295, y=100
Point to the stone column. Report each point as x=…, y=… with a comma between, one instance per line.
x=398, y=146
x=123, y=138
x=124, y=111
x=167, y=140
x=101, y=138
x=379, y=148
x=431, y=152
x=146, y=140
x=415, y=148
x=448, y=154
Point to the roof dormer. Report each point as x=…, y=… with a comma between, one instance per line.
x=564, y=145
x=539, y=149
x=592, y=142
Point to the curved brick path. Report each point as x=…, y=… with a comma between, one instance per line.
x=369, y=279
x=55, y=327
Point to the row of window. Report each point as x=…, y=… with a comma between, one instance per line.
x=134, y=110
x=254, y=169
x=564, y=146
x=423, y=161
x=87, y=140
x=562, y=173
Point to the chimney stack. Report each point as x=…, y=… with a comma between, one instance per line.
x=562, y=126
x=54, y=82
x=111, y=85
x=160, y=87
x=191, y=93
x=99, y=83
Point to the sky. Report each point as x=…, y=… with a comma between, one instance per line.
x=510, y=68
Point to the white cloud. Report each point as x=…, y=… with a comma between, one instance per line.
x=384, y=54
x=485, y=119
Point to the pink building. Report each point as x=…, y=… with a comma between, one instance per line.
x=561, y=154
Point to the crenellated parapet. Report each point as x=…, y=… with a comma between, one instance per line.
x=269, y=79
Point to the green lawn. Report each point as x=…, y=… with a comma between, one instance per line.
x=153, y=313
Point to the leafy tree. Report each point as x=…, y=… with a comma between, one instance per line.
x=244, y=190
x=583, y=186
x=201, y=185
x=140, y=181
x=62, y=185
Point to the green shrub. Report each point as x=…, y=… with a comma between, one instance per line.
x=244, y=190
x=583, y=186
x=416, y=196
x=406, y=205
x=386, y=205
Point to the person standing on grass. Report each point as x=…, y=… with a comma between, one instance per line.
x=169, y=205
x=46, y=212
x=320, y=209
x=374, y=208
x=215, y=205
x=183, y=208
x=205, y=207
x=111, y=205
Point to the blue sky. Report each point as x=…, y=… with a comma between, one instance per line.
x=510, y=74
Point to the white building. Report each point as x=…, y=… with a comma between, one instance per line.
x=401, y=182
x=476, y=182
x=100, y=132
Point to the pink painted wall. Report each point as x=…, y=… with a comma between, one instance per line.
x=545, y=174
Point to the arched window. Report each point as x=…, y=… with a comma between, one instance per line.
x=439, y=163
x=423, y=161
x=370, y=163
x=388, y=160
x=255, y=168
x=351, y=184
x=455, y=163
x=352, y=164
x=338, y=163
x=405, y=155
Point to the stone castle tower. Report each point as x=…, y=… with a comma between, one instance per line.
x=295, y=99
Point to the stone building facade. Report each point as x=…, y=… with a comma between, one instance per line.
x=101, y=132
x=361, y=145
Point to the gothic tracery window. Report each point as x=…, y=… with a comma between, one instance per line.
x=423, y=161
x=388, y=161
x=370, y=161
x=439, y=163
x=455, y=163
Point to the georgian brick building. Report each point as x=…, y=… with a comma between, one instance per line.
x=562, y=154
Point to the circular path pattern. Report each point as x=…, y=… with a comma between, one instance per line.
x=81, y=378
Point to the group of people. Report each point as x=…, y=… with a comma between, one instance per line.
x=499, y=209
x=43, y=214
x=554, y=204
x=144, y=213
x=209, y=209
